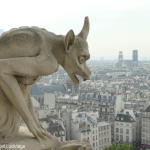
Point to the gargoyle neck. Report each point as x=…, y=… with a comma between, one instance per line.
x=58, y=49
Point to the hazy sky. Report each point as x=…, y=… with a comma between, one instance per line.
x=114, y=24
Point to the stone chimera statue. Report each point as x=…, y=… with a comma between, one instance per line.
x=26, y=54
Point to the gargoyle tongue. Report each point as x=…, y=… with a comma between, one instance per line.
x=74, y=78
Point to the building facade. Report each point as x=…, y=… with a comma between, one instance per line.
x=86, y=127
x=125, y=128
x=145, y=133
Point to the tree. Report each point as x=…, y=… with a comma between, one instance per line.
x=120, y=147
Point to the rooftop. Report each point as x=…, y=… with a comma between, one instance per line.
x=122, y=117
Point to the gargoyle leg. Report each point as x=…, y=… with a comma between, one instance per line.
x=26, y=92
x=12, y=90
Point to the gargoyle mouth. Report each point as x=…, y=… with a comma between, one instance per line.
x=75, y=78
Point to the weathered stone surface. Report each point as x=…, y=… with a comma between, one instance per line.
x=24, y=140
x=26, y=54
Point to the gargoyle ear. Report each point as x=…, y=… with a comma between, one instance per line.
x=69, y=40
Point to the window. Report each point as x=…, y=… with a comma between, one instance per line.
x=127, y=139
x=102, y=141
x=121, y=138
x=93, y=138
x=99, y=129
x=93, y=144
x=127, y=131
x=99, y=142
x=117, y=130
x=117, y=137
x=121, y=130
x=143, y=141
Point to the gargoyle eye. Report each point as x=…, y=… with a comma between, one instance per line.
x=82, y=59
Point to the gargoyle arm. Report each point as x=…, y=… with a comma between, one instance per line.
x=24, y=66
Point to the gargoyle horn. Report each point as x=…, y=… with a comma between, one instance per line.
x=85, y=30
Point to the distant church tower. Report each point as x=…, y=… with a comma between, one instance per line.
x=120, y=58
x=135, y=57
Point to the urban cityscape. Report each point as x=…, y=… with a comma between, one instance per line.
x=113, y=107
x=75, y=75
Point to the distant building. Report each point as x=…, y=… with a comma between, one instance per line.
x=55, y=126
x=135, y=55
x=71, y=87
x=145, y=135
x=127, y=63
x=46, y=104
x=49, y=100
x=125, y=127
x=120, y=58
x=86, y=127
x=119, y=104
x=106, y=111
x=66, y=115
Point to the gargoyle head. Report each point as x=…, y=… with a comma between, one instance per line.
x=77, y=53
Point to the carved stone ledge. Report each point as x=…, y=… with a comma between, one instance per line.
x=25, y=141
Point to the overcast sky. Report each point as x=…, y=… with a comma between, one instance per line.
x=115, y=25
